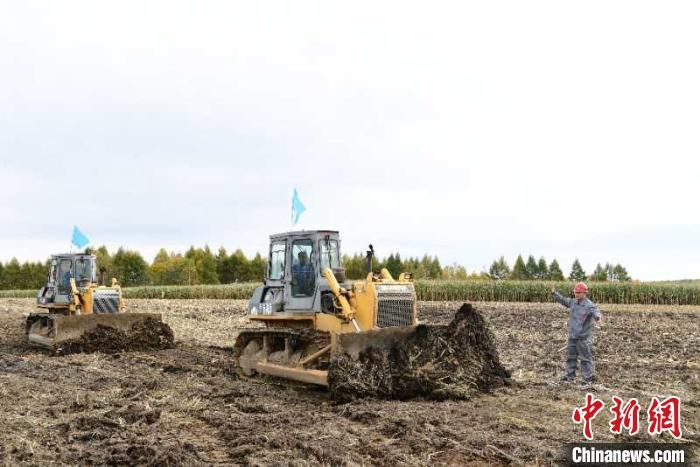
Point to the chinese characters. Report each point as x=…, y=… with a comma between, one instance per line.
x=662, y=416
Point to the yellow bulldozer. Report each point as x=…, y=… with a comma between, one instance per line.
x=355, y=338
x=75, y=306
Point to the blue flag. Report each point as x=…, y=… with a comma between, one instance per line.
x=79, y=238
x=297, y=207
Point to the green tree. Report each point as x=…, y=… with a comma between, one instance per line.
x=32, y=275
x=620, y=273
x=25, y=276
x=193, y=268
x=454, y=272
x=226, y=271
x=393, y=265
x=163, y=270
x=435, y=268
x=499, y=269
x=257, y=268
x=238, y=266
x=105, y=267
x=599, y=274
x=577, y=272
x=609, y=271
x=479, y=276
x=426, y=263
x=221, y=256
x=413, y=266
x=542, y=270
x=2, y=276
x=519, y=270
x=13, y=274
x=555, y=273
x=531, y=267
x=187, y=270
x=130, y=268
x=378, y=264
x=42, y=272
x=205, y=262
x=354, y=266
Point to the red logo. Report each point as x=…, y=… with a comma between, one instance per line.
x=626, y=417
x=587, y=413
x=665, y=416
x=662, y=415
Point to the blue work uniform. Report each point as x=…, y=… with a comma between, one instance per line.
x=66, y=282
x=580, y=344
x=303, y=275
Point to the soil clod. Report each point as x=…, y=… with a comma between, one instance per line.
x=436, y=362
x=148, y=334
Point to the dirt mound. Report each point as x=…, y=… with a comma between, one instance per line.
x=436, y=362
x=149, y=334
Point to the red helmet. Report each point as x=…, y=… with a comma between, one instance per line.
x=580, y=288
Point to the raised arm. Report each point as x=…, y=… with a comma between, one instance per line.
x=560, y=298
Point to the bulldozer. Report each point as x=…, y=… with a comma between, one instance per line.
x=312, y=313
x=356, y=338
x=74, y=304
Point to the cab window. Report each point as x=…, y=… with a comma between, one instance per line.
x=330, y=254
x=83, y=271
x=65, y=267
x=277, y=252
x=52, y=272
x=303, y=274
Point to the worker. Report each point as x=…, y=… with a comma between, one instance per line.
x=66, y=280
x=582, y=313
x=303, y=275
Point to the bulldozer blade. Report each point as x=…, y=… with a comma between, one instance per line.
x=55, y=331
x=353, y=344
x=283, y=353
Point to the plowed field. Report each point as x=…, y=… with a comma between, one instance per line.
x=186, y=406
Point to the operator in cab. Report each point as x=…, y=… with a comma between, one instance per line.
x=302, y=275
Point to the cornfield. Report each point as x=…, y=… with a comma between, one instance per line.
x=490, y=291
x=241, y=291
x=530, y=291
x=18, y=293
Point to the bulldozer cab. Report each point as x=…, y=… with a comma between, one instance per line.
x=294, y=274
x=80, y=267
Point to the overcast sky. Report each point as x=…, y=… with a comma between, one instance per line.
x=465, y=130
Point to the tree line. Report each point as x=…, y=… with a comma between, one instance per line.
x=202, y=266
x=540, y=270
x=28, y=275
x=427, y=267
x=196, y=266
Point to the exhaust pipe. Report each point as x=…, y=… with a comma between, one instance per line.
x=370, y=254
